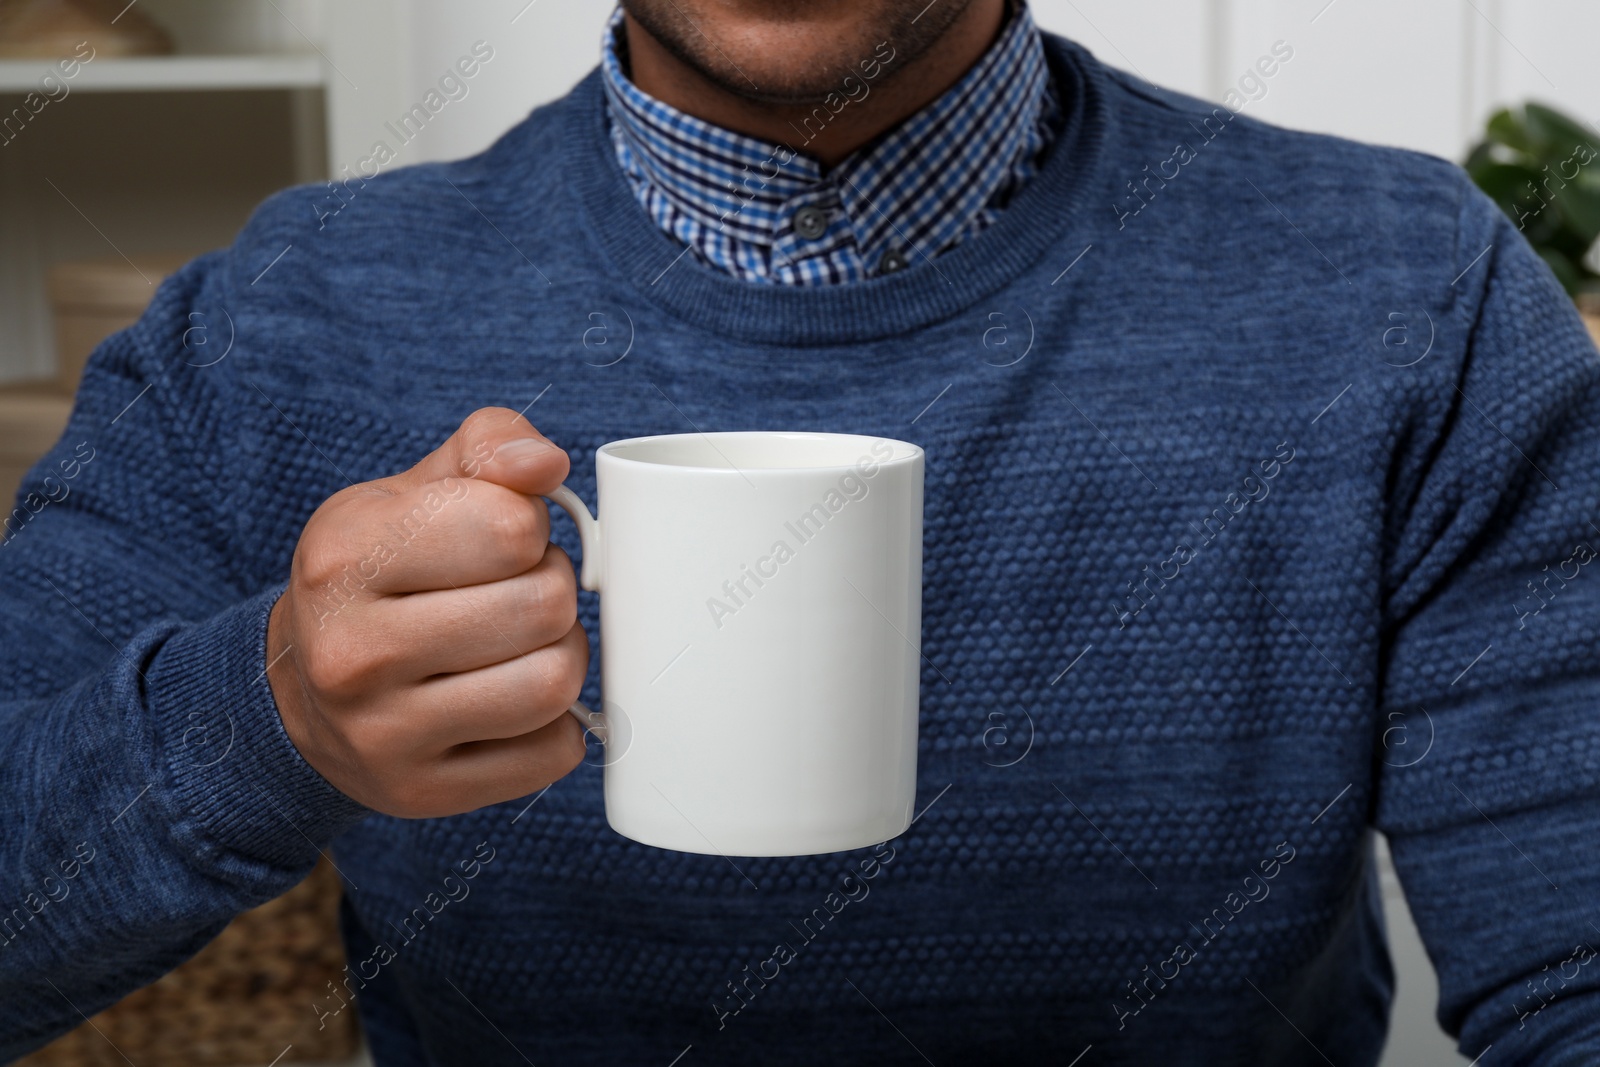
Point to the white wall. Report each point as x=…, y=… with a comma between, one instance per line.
x=1420, y=74
x=392, y=52
x=539, y=56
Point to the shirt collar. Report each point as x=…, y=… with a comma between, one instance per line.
x=915, y=188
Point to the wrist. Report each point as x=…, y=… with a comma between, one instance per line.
x=242, y=789
x=283, y=675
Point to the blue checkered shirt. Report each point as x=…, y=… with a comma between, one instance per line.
x=766, y=212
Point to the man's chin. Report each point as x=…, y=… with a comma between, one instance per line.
x=791, y=54
x=783, y=88
x=774, y=65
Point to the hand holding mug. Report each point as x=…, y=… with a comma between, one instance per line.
x=427, y=649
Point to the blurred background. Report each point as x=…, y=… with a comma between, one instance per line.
x=192, y=111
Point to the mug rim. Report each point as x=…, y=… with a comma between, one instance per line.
x=906, y=452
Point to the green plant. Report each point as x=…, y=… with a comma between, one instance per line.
x=1543, y=169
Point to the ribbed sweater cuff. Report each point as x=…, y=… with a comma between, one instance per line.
x=240, y=786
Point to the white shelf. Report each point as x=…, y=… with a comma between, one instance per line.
x=173, y=73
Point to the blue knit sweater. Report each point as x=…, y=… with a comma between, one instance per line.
x=1260, y=498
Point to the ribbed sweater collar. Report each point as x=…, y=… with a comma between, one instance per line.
x=1042, y=217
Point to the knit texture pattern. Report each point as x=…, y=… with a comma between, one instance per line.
x=1256, y=517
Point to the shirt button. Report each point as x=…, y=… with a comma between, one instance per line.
x=810, y=222
x=892, y=261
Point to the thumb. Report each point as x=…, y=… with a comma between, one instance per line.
x=494, y=445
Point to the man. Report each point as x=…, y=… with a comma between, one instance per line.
x=1258, y=504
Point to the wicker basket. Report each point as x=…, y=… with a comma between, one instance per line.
x=246, y=998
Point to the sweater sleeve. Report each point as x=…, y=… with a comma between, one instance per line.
x=1488, y=753
x=148, y=791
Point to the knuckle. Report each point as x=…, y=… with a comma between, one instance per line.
x=559, y=564
x=318, y=558
x=475, y=440
x=512, y=526
x=344, y=499
x=553, y=597
x=470, y=456
x=572, y=748
x=372, y=739
x=474, y=429
x=336, y=668
x=558, y=676
x=575, y=666
x=541, y=518
x=477, y=425
x=580, y=646
x=568, y=687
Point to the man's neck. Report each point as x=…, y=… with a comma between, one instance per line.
x=903, y=93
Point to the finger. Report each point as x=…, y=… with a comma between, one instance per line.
x=513, y=697
x=492, y=444
x=452, y=631
x=446, y=535
x=493, y=772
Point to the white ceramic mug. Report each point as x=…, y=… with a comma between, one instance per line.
x=760, y=638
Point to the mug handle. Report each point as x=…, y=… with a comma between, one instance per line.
x=588, y=578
